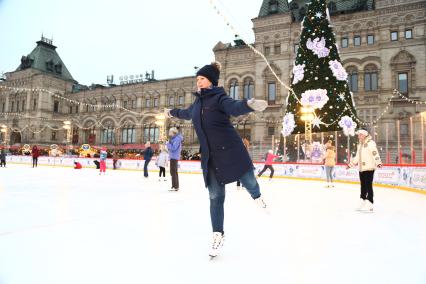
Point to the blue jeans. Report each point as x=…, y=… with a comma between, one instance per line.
x=145, y=168
x=329, y=173
x=217, y=196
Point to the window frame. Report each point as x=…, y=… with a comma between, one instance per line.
x=399, y=83
x=171, y=101
x=277, y=49
x=357, y=37
x=181, y=100
x=267, y=50
x=128, y=135
x=346, y=40
x=56, y=106
x=269, y=85
x=411, y=33
x=351, y=75
x=371, y=87
x=394, y=33
x=234, y=89
x=248, y=89
x=368, y=39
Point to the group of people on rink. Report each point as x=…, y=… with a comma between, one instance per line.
x=221, y=146
x=224, y=155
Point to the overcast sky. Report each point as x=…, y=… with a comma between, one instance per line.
x=96, y=38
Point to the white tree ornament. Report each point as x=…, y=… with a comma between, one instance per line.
x=298, y=72
x=317, y=46
x=348, y=125
x=288, y=124
x=338, y=71
x=314, y=98
x=316, y=122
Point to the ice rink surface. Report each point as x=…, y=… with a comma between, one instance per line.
x=63, y=226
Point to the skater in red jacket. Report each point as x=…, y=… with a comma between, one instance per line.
x=270, y=157
x=35, y=153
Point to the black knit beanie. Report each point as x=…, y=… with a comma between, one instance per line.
x=211, y=72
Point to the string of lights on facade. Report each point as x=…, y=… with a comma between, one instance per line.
x=56, y=95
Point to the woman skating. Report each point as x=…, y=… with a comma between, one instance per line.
x=329, y=163
x=270, y=157
x=35, y=153
x=224, y=159
x=367, y=159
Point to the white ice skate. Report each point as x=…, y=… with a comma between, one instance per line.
x=361, y=205
x=238, y=187
x=262, y=204
x=368, y=207
x=218, y=240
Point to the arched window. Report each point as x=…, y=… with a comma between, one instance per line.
x=248, y=88
x=128, y=134
x=108, y=136
x=151, y=133
x=90, y=133
x=353, y=79
x=233, y=89
x=370, y=78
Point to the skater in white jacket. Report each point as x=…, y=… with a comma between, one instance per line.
x=367, y=159
x=162, y=162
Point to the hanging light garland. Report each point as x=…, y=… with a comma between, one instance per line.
x=56, y=95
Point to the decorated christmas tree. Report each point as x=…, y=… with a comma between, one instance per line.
x=319, y=80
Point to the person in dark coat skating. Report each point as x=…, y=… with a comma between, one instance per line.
x=224, y=158
x=2, y=158
x=35, y=154
x=147, y=156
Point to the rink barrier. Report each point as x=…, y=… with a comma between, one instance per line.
x=406, y=177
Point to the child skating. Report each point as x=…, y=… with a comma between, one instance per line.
x=224, y=158
x=162, y=162
x=102, y=163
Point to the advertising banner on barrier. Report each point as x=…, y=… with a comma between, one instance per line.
x=310, y=171
x=341, y=173
x=418, y=178
x=387, y=175
x=391, y=175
